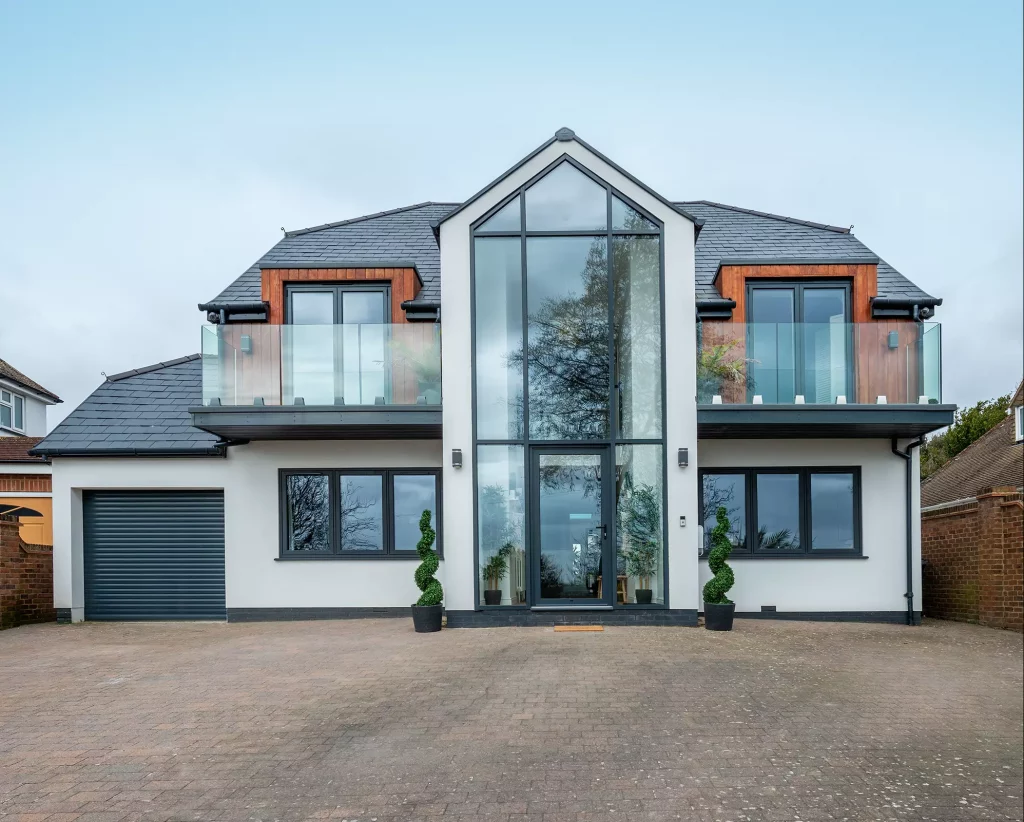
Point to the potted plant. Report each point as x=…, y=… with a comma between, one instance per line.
x=494, y=571
x=719, y=610
x=716, y=369
x=642, y=528
x=426, y=612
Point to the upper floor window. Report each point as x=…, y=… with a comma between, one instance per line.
x=567, y=314
x=1018, y=419
x=12, y=410
x=799, y=341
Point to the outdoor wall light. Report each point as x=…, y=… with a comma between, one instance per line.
x=456, y=458
x=684, y=457
x=894, y=340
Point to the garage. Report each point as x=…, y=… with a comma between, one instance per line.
x=153, y=555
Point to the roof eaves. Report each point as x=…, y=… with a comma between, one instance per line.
x=824, y=226
x=146, y=369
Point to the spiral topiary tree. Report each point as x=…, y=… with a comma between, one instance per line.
x=717, y=587
x=433, y=593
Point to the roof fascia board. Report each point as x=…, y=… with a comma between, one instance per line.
x=19, y=388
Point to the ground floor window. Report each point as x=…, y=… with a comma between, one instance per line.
x=779, y=512
x=356, y=513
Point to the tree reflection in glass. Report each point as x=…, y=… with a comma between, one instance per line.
x=307, y=512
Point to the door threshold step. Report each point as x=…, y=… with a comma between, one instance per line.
x=569, y=628
x=571, y=608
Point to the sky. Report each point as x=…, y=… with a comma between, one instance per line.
x=149, y=153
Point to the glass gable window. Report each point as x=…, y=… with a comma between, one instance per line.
x=781, y=512
x=360, y=514
x=568, y=352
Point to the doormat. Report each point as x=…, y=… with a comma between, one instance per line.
x=560, y=628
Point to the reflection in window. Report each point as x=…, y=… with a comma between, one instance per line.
x=567, y=301
x=413, y=494
x=626, y=218
x=501, y=486
x=778, y=512
x=499, y=337
x=307, y=512
x=832, y=512
x=639, y=530
x=566, y=200
x=362, y=512
x=506, y=218
x=728, y=490
x=636, y=269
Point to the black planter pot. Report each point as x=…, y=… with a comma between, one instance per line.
x=426, y=618
x=719, y=617
x=492, y=596
x=644, y=596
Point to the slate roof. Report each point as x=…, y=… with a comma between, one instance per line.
x=993, y=459
x=9, y=372
x=137, y=413
x=739, y=234
x=16, y=449
x=405, y=235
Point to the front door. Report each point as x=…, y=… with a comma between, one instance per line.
x=571, y=560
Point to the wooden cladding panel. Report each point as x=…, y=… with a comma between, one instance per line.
x=403, y=281
x=732, y=283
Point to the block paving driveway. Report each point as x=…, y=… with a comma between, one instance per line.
x=365, y=720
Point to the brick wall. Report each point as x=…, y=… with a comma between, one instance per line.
x=26, y=579
x=32, y=483
x=974, y=560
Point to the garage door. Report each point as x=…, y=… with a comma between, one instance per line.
x=154, y=554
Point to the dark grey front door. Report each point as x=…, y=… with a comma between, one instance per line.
x=571, y=560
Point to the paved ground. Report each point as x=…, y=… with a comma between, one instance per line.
x=368, y=721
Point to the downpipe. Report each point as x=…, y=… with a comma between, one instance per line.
x=906, y=456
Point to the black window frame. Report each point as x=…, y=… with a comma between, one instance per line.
x=338, y=287
x=387, y=511
x=750, y=551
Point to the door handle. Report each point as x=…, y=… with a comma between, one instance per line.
x=604, y=532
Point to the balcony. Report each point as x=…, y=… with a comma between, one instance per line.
x=764, y=380
x=353, y=381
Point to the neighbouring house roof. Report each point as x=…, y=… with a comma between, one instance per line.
x=143, y=412
x=994, y=459
x=9, y=372
x=1018, y=396
x=16, y=449
x=405, y=237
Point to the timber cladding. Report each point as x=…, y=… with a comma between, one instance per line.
x=404, y=282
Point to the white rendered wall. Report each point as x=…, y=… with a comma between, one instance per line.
x=457, y=371
x=249, y=479
x=873, y=584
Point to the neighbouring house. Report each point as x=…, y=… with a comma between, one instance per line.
x=972, y=529
x=24, y=477
x=614, y=366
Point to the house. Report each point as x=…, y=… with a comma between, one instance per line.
x=614, y=366
x=972, y=529
x=24, y=478
x=995, y=458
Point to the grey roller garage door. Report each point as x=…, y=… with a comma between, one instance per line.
x=154, y=554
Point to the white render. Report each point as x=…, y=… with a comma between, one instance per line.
x=249, y=478
x=877, y=583
x=457, y=376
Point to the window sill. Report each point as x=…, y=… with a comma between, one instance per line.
x=815, y=557
x=351, y=557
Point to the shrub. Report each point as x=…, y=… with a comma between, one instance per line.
x=717, y=587
x=642, y=528
x=433, y=593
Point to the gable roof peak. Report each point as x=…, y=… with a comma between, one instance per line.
x=565, y=134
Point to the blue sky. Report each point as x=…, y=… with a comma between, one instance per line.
x=151, y=152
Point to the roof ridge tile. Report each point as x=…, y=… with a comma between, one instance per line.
x=794, y=220
x=147, y=369
x=300, y=231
